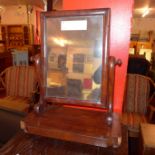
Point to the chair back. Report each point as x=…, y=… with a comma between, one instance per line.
x=19, y=81
x=137, y=93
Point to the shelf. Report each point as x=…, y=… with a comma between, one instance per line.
x=17, y=35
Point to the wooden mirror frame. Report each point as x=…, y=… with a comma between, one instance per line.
x=107, y=84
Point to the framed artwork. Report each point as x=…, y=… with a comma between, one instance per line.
x=78, y=68
x=78, y=58
x=62, y=61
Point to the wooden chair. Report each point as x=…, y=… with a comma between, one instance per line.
x=137, y=102
x=18, y=83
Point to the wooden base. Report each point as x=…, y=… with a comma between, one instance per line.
x=75, y=125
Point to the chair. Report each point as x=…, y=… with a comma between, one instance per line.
x=137, y=102
x=18, y=83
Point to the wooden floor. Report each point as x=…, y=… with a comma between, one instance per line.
x=26, y=144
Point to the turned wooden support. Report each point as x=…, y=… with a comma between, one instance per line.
x=112, y=64
x=37, y=63
x=40, y=107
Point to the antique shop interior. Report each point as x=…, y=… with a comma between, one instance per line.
x=77, y=77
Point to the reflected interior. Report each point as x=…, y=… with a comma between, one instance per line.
x=74, y=58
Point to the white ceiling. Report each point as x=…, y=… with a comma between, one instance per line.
x=40, y=3
x=139, y=5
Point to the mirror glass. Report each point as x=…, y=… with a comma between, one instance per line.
x=74, y=57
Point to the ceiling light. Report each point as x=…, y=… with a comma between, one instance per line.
x=146, y=12
x=61, y=42
x=2, y=9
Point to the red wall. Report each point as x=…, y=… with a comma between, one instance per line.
x=121, y=13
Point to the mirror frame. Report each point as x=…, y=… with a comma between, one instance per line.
x=105, y=13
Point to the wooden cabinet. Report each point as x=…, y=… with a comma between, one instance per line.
x=140, y=44
x=17, y=35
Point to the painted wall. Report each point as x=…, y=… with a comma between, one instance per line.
x=121, y=13
x=142, y=26
x=16, y=14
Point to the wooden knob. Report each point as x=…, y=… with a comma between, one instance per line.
x=118, y=62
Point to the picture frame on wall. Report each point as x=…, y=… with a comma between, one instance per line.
x=78, y=58
x=78, y=68
x=62, y=61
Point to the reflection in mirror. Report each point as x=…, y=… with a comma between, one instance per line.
x=74, y=56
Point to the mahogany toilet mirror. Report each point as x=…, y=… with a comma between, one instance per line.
x=74, y=67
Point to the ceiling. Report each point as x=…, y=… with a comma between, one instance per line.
x=39, y=3
x=140, y=6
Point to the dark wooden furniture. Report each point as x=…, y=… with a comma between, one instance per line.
x=5, y=60
x=16, y=36
x=10, y=124
x=77, y=125
x=27, y=144
x=81, y=39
